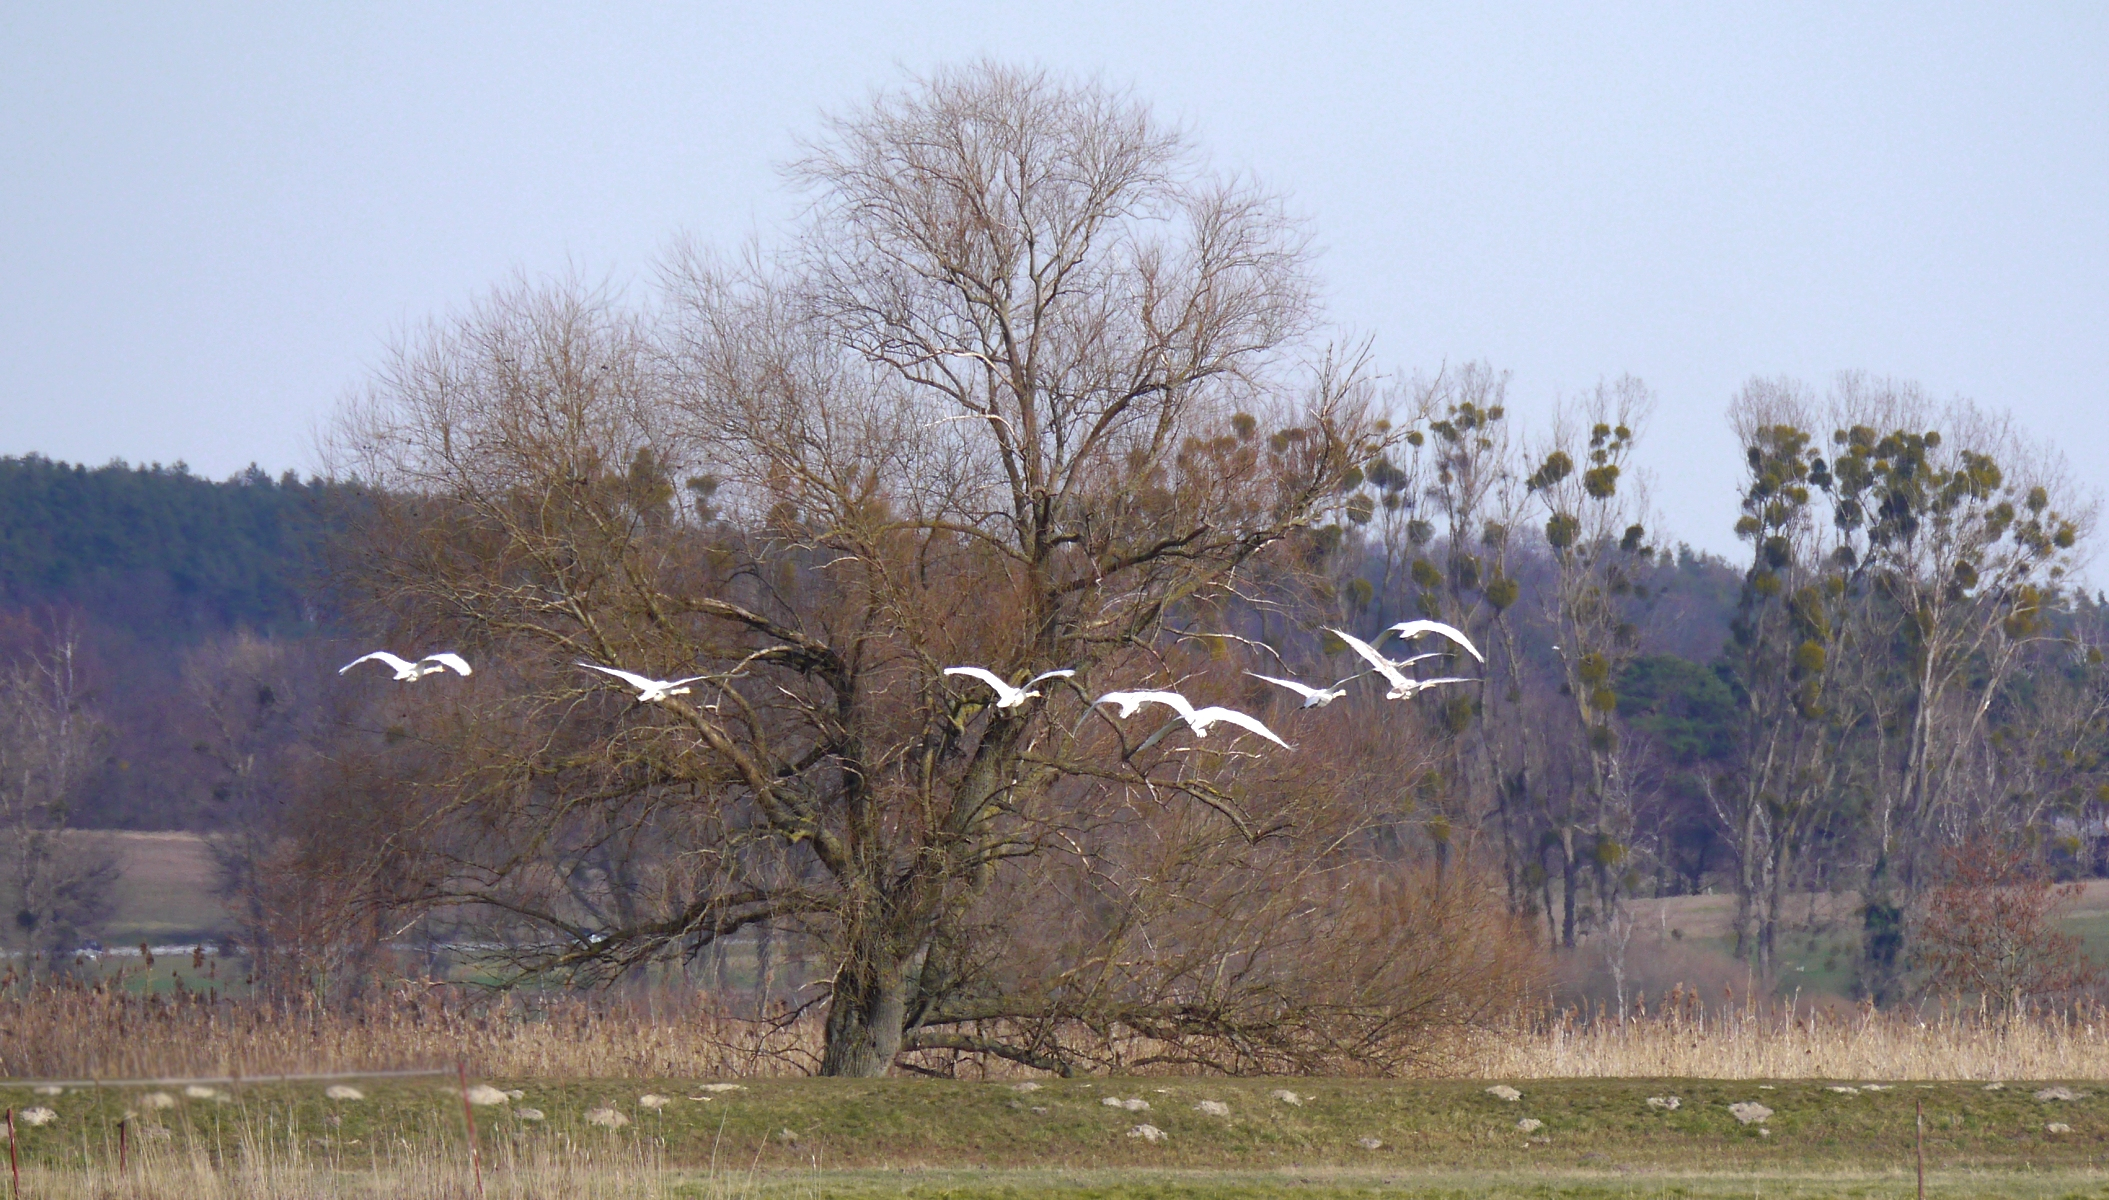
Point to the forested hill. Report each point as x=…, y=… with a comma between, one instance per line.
x=159, y=552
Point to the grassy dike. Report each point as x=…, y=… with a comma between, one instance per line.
x=817, y=1137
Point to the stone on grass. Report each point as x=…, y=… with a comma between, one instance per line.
x=1669, y=1102
x=654, y=1101
x=515, y=1094
x=2057, y=1127
x=607, y=1118
x=157, y=1100
x=721, y=1087
x=200, y=1092
x=2058, y=1093
x=1213, y=1108
x=1134, y=1104
x=528, y=1114
x=1530, y=1124
x=1843, y=1090
x=1148, y=1133
x=485, y=1095
x=39, y=1115
x=1749, y=1112
x=1286, y=1096
x=1878, y=1087
x=1030, y=1085
x=1502, y=1091
x=1369, y=1143
x=49, y=1089
x=341, y=1091
x=1995, y=1087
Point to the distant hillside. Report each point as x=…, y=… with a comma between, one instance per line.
x=164, y=555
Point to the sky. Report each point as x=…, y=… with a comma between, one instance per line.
x=215, y=218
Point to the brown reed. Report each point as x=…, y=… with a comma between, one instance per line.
x=75, y=1030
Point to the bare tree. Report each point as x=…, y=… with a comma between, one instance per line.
x=1034, y=392
x=57, y=890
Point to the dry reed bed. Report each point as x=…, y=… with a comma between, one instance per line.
x=1799, y=1042
x=68, y=1031
x=64, y=1031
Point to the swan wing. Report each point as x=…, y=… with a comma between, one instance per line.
x=1064, y=673
x=1230, y=716
x=1407, y=629
x=639, y=682
x=1291, y=684
x=380, y=656
x=1130, y=701
x=1384, y=666
x=450, y=660
x=1003, y=689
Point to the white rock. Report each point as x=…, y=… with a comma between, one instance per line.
x=1843, y=1090
x=1110, y=1101
x=1030, y=1085
x=1995, y=1087
x=2057, y=1127
x=654, y=1100
x=606, y=1117
x=200, y=1092
x=721, y=1087
x=528, y=1114
x=157, y=1100
x=1530, y=1124
x=2059, y=1093
x=49, y=1089
x=1213, y=1108
x=1669, y=1102
x=1148, y=1133
x=1878, y=1087
x=515, y=1094
x=1749, y=1112
x=1369, y=1144
x=341, y=1091
x=1136, y=1104
x=1502, y=1091
x=39, y=1115
x=484, y=1095
x=1286, y=1096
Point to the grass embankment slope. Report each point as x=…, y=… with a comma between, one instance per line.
x=1345, y=1137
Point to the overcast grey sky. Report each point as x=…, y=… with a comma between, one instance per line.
x=213, y=218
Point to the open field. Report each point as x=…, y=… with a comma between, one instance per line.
x=811, y=1137
x=164, y=888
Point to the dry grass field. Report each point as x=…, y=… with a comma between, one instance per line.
x=165, y=888
x=1585, y=1082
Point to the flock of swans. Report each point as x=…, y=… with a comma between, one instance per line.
x=1010, y=696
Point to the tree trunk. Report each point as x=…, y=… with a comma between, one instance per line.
x=865, y=1015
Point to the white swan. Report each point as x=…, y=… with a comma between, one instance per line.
x=1197, y=719
x=1402, y=687
x=1312, y=697
x=1006, y=695
x=648, y=690
x=407, y=671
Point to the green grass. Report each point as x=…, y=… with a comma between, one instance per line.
x=802, y=1125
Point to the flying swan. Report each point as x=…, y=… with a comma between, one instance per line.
x=1402, y=688
x=1006, y=695
x=407, y=671
x=648, y=690
x=1312, y=697
x=1198, y=719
